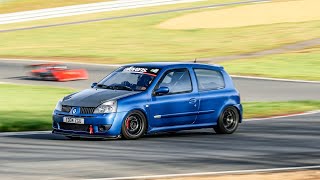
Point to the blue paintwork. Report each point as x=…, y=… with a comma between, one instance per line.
x=178, y=111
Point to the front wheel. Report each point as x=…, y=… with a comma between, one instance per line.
x=134, y=126
x=228, y=121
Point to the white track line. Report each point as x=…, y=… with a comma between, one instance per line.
x=44, y=85
x=275, y=79
x=84, y=9
x=213, y=173
x=284, y=116
x=10, y=83
x=23, y=133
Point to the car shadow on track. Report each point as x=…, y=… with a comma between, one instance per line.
x=55, y=137
x=23, y=78
x=182, y=134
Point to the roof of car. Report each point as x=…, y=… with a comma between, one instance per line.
x=175, y=64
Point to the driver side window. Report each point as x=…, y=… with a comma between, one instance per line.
x=177, y=80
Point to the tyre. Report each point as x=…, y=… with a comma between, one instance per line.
x=134, y=126
x=228, y=121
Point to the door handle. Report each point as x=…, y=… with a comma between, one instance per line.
x=192, y=101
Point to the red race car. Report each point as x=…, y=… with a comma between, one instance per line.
x=56, y=72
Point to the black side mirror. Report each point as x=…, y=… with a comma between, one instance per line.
x=93, y=85
x=161, y=91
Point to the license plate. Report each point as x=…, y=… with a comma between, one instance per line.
x=73, y=120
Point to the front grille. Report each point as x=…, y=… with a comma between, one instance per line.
x=74, y=127
x=66, y=108
x=87, y=110
x=83, y=110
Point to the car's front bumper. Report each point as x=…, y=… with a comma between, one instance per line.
x=90, y=128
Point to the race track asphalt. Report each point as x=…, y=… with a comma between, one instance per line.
x=250, y=89
x=272, y=143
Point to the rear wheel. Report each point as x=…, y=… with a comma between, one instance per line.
x=228, y=121
x=134, y=126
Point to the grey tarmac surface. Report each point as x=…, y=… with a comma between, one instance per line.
x=250, y=89
x=272, y=143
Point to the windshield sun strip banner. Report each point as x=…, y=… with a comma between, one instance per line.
x=142, y=70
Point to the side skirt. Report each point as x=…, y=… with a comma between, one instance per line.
x=181, y=127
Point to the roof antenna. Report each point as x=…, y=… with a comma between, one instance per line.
x=195, y=60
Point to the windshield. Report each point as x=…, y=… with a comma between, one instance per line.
x=129, y=78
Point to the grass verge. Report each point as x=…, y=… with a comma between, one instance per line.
x=264, y=13
x=267, y=109
x=27, y=108
x=11, y=6
x=303, y=65
x=139, y=39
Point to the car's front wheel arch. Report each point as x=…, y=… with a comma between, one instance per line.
x=142, y=111
x=138, y=113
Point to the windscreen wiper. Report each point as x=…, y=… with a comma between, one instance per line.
x=105, y=86
x=118, y=87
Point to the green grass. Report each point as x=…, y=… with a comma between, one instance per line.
x=26, y=108
x=267, y=109
x=304, y=65
x=25, y=5
x=138, y=39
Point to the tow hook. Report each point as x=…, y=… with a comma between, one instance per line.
x=91, y=129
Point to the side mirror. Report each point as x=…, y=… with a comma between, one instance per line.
x=162, y=91
x=93, y=85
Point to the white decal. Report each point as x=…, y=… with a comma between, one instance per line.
x=135, y=69
x=154, y=70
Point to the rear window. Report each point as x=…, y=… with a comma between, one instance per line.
x=209, y=79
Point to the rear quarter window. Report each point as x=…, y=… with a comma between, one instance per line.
x=209, y=79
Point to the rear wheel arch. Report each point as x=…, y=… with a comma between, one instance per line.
x=221, y=126
x=232, y=104
x=239, y=112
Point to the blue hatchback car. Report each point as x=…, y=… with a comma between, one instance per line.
x=147, y=98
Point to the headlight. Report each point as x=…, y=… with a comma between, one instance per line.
x=58, y=106
x=107, y=107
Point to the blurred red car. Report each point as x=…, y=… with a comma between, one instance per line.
x=56, y=72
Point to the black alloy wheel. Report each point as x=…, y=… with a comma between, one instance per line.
x=228, y=121
x=134, y=126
